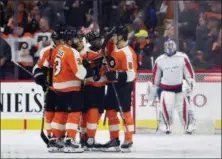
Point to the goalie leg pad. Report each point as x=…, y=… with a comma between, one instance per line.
x=182, y=106
x=167, y=101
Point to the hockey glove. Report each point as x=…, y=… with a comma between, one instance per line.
x=96, y=74
x=40, y=78
x=89, y=71
x=114, y=75
x=86, y=64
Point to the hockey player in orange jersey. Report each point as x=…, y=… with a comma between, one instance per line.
x=68, y=73
x=42, y=73
x=94, y=90
x=123, y=65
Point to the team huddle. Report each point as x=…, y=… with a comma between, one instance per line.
x=74, y=72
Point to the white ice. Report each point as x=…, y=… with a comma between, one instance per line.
x=28, y=144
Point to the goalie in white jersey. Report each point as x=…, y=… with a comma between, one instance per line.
x=170, y=69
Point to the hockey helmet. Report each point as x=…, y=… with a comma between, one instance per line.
x=70, y=33
x=122, y=30
x=93, y=35
x=170, y=47
x=55, y=36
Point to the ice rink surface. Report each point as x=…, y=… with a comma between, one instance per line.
x=28, y=144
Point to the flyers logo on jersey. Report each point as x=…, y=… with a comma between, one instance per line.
x=60, y=53
x=112, y=62
x=42, y=38
x=22, y=45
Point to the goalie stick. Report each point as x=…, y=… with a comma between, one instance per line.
x=154, y=102
x=42, y=134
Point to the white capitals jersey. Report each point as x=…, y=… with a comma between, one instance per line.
x=20, y=47
x=41, y=37
x=169, y=71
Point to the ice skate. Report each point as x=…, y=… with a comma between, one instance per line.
x=55, y=145
x=71, y=146
x=112, y=146
x=92, y=145
x=126, y=146
x=190, y=129
x=164, y=129
x=83, y=144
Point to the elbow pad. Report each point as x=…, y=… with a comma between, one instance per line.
x=81, y=73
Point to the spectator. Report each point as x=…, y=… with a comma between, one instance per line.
x=59, y=11
x=42, y=37
x=150, y=18
x=188, y=23
x=22, y=50
x=46, y=10
x=91, y=24
x=215, y=11
x=74, y=13
x=2, y=15
x=130, y=11
x=210, y=37
x=138, y=23
x=201, y=33
x=22, y=15
x=216, y=52
x=8, y=29
x=5, y=56
x=144, y=48
x=114, y=17
x=199, y=61
x=33, y=20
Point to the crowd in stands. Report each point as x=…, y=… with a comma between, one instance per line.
x=150, y=24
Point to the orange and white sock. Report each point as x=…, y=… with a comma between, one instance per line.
x=72, y=124
x=64, y=125
x=92, y=121
x=83, y=125
x=114, y=123
x=48, y=120
x=130, y=126
x=58, y=124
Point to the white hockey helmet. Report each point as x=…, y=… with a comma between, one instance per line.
x=170, y=47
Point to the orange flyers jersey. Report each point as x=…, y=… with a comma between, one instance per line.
x=110, y=47
x=67, y=64
x=46, y=56
x=92, y=56
x=124, y=59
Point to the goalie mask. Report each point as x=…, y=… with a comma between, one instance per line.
x=170, y=47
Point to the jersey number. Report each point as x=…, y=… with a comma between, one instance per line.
x=58, y=66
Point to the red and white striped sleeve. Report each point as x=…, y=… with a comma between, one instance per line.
x=156, y=74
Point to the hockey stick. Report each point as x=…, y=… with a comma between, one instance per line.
x=154, y=102
x=112, y=83
x=20, y=66
x=42, y=134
